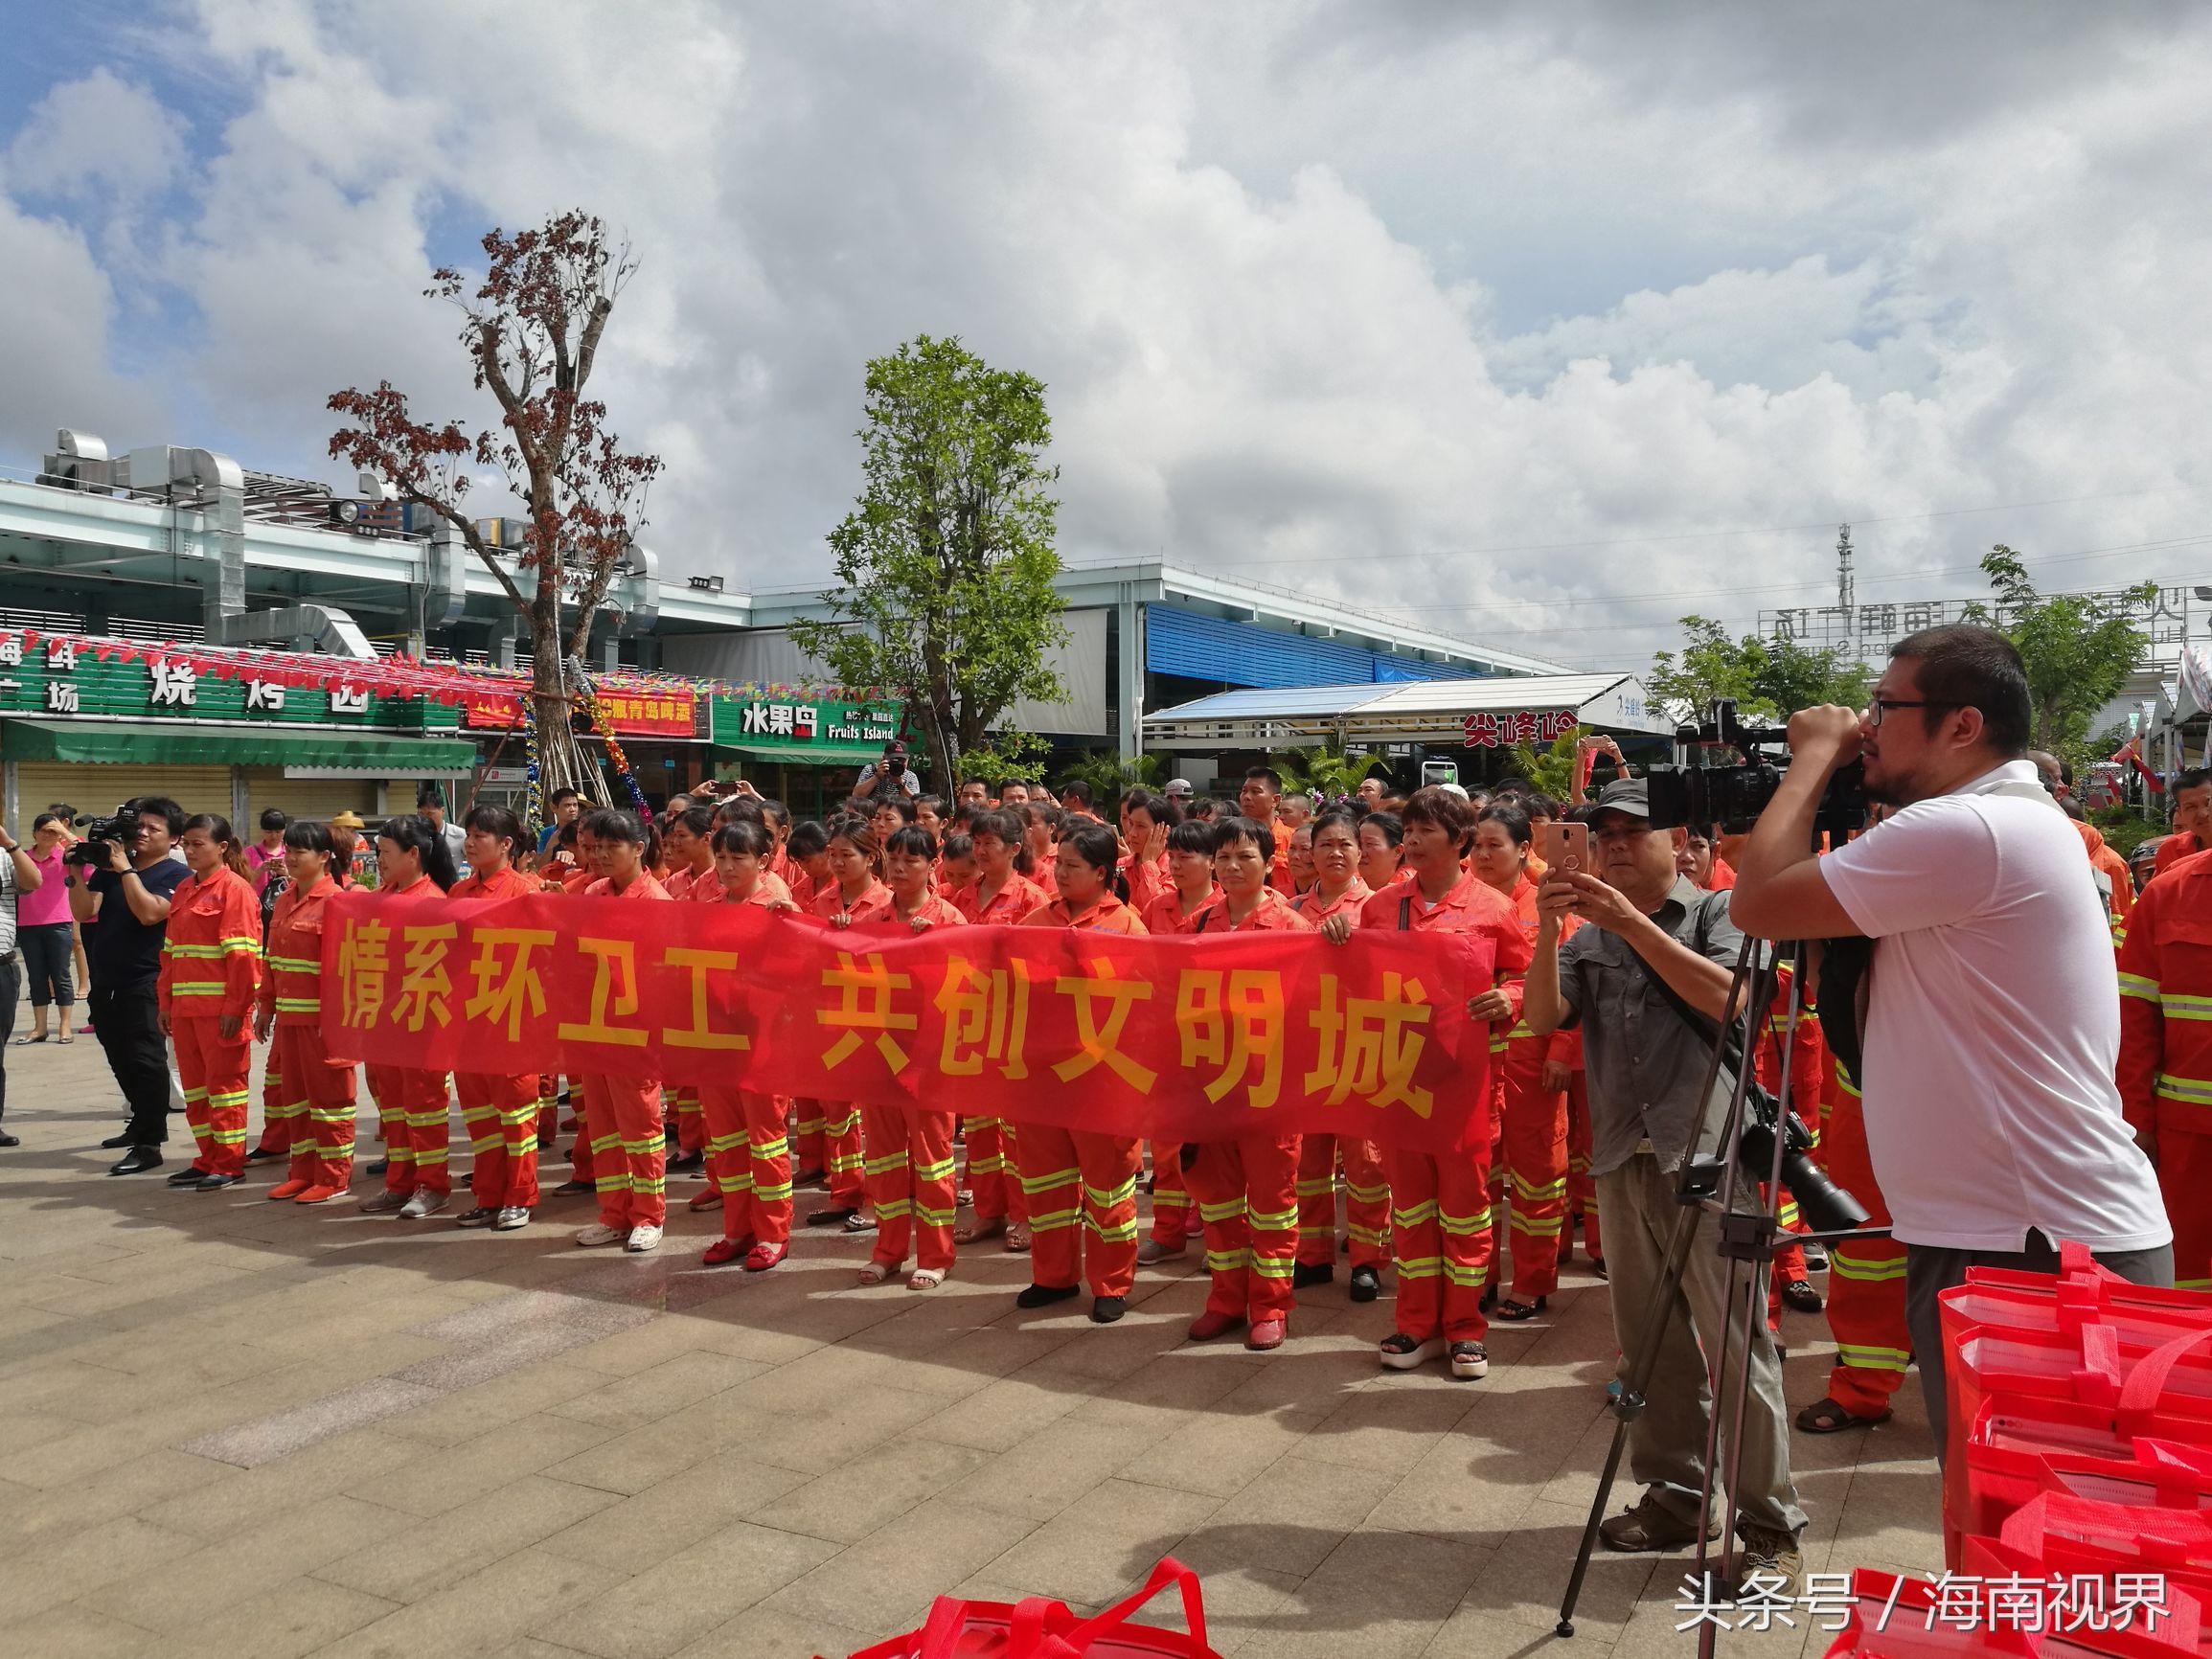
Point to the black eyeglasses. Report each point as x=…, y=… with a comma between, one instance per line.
x=1877, y=707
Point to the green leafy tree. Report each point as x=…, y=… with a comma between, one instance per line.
x=1551, y=769
x=1110, y=777
x=946, y=563
x=1768, y=679
x=1326, y=770
x=2079, y=650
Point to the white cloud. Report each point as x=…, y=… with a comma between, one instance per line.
x=1417, y=306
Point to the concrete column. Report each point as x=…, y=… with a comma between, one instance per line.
x=242, y=805
x=1129, y=691
x=10, y=802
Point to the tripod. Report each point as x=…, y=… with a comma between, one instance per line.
x=1749, y=1237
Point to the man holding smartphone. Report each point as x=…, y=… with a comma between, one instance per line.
x=1658, y=954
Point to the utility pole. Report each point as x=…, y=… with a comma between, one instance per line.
x=1846, y=585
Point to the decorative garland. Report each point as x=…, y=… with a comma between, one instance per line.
x=604, y=727
x=533, y=803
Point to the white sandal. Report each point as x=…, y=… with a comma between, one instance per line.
x=875, y=1273
x=925, y=1279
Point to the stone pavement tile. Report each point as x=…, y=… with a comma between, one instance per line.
x=763, y=1632
x=1040, y=1477
x=533, y=1647
x=632, y=1534
x=648, y=1396
x=1108, y=1354
x=153, y=1289
x=1392, y=1423
x=1528, y=1573
x=1289, y=1517
x=1099, y=1547
x=687, y=1595
x=179, y=1358
x=199, y=1586
x=59, y=1569
x=22, y=1429
x=1001, y=1415
x=428, y=1554
x=1891, y=1513
x=498, y=1604
x=264, y=1440
x=230, y=1499
x=1219, y=1452
x=812, y=1432
x=26, y=1514
x=885, y=1583
x=479, y=1408
x=871, y=1490
x=79, y=1634
x=53, y=1381
x=431, y=1482
x=1242, y=1604
x=665, y=1337
x=1379, y=1594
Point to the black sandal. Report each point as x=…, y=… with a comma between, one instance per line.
x=1800, y=1294
x=1515, y=1310
x=1826, y=1417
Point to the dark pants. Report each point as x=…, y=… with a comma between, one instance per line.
x=11, y=986
x=47, y=952
x=1930, y=1271
x=128, y=1021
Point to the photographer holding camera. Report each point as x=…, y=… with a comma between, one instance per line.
x=889, y=778
x=121, y=876
x=1988, y=1019
x=1658, y=956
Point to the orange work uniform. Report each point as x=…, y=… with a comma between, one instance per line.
x=1440, y=1219
x=842, y=1159
x=1866, y=1276
x=211, y=971
x=1366, y=1187
x=499, y=1113
x=321, y=1088
x=622, y=1118
x=994, y=1182
x=2165, y=1069
x=411, y=1105
x=1247, y=1188
x=1173, y=1217
x=1075, y=1182
x=748, y=1143
x=1533, y=1121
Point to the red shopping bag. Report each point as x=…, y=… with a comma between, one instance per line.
x=2085, y=1293
x=1041, y=1628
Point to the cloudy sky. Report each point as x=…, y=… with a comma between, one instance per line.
x=1542, y=323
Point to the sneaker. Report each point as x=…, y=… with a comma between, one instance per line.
x=1266, y=1336
x=1469, y=1361
x=599, y=1233
x=642, y=1239
x=215, y=1183
x=1800, y=1294
x=1366, y=1282
x=318, y=1194
x=1650, y=1527
x=423, y=1202
x=1152, y=1252
x=1816, y=1257
x=385, y=1202
x=1770, y=1556
x=1400, y=1352
x=190, y=1175
x=512, y=1218
x=483, y=1216
x=287, y=1190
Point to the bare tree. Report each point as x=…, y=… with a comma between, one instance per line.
x=532, y=327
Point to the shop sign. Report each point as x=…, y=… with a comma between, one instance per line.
x=1496, y=731
x=64, y=677
x=766, y=724
x=662, y=712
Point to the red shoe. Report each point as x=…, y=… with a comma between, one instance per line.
x=288, y=1189
x=764, y=1256
x=1210, y=1325
x=318, y=1194
x=1267, y=1334
x=723, y=1250
x=710, y=1199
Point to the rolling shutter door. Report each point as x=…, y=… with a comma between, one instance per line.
x=316, y=798
x=96, y=790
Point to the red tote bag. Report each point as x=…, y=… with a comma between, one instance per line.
x=1041, y=1628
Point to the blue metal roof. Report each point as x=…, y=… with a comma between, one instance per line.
x=1205, y=647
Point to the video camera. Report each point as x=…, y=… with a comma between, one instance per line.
x=1696, y=792
x=123, y=830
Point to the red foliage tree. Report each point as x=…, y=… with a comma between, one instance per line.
x=532, y=327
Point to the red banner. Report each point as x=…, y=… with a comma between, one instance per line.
x=1188, y=1039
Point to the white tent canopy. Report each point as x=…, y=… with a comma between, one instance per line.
x=1405, y=711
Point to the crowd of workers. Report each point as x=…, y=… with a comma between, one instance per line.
x=213, y=942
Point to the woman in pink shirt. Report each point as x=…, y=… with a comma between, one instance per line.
x=43, y=930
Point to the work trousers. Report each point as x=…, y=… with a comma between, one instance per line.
x=2184, y=1178
x=842, y=1156
x=913, y=1183
x=628, y=1150
x=749, y=1162
x=1247, y=1193
x=1440, y=1235
x=500, y=1115
x=1930, y=1271
x=128, y=1021
x=1666, y=1443
x=689, y=1116
x=1866, y=1276
x=413, y=1114
x=1582, y=1187
x=1174, y=1218
x=1534, y=1142
x=1077, y=1183
x=214, y=1071
x=994, y=1178
x=807, y=1122
x=1366, y=1201
x=323, y=1095
x=283, y=1106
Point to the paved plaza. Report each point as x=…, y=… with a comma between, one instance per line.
x=240, y=1428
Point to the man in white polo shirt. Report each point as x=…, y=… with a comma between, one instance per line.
x=1991, y=1015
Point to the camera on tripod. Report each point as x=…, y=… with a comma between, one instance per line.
x=1698, y=792
x=122, y=831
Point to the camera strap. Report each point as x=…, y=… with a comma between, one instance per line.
x=1706, y=1028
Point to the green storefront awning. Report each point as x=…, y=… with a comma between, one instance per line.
x=125, y=742
x=808, y=754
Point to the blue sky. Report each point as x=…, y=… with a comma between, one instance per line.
x=1494, y=316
